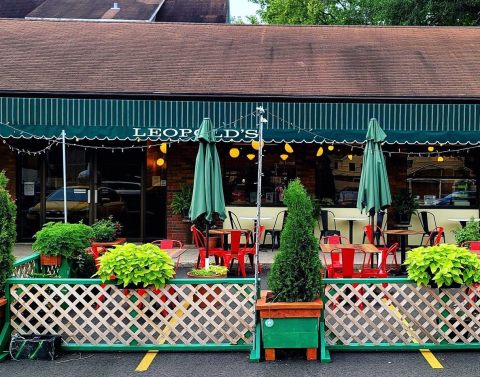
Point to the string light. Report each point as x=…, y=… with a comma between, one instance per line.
x=430, y=149
x=284, y=156
x=250, y=156
x=350, y=157
x=440, y=159
x=331, y=147
x=160, y=162
x=234, y=152
x=319, y=151
x=163, y=148
x=288, y=148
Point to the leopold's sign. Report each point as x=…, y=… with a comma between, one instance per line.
x=186, y=133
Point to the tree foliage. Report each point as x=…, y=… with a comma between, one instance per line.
x=295, y=274
x=370, y=12
x=8, y=232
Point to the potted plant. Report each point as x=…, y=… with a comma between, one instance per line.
x=443, y=265
x=59, y=243
x=8, y=236
x=470, y=233
x=107, y=231
x=405, y=205
x=136, y=266
x=290, y=312
x=181, y=201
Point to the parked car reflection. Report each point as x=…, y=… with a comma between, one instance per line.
x=109, y=204
x=458, y=198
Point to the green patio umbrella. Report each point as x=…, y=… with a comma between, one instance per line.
x=374, y=190
x=207, y=195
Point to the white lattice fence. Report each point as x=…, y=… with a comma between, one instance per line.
x=105, y=314
x=373, y=314
x=24, y=270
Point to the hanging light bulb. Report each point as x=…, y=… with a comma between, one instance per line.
x=284, y=156
x=160, y=162
x=350, y=157
x=440, y=159
x=163, y=148
x=319, y=151
x=250, y=156
x=331, y=147
x=288, y=148
x=430, y=149
x=255, y=144
x=234, y=152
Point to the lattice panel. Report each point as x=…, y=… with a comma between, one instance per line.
x=24, y=270
x=106, y=314
x=401, y=314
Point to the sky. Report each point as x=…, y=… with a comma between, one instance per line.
x=242, y=8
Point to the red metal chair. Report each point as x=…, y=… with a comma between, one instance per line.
x=435, y=237
x=170, y=244
x=473, y=246
x=369, y=233
x=335, y=259
x=239, y=251
x=382, y=270
x=200, y=241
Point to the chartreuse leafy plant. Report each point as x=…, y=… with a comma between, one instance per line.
x=471, y=232
x=67, y=240
x=444, y=265
x=295, y=273
x=212, y=270
x=8, y=232
x=140, y=265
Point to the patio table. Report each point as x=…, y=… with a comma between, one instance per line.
x=462, y=220
x=350, y=220
x=225, y=233
x=365, y=247
x=403, y=233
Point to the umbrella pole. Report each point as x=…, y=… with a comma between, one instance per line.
x=207, y=259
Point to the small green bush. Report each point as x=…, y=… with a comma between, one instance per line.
x=471, y=232
x=295, y=273
x=444, y=265
x=8, y=231
x=137, y=264
x=182, y=199
x=211, y=271
x=67, y=240
x=105, y=230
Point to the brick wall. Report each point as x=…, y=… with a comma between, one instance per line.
x=8, y=162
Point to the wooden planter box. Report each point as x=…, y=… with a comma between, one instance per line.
x=3, y=306
x=289, y=325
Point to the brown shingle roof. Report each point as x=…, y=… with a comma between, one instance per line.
x=216, y=59
x=206, y=11
x=17, y=8
x=96, y=9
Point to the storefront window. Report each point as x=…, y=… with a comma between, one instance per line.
x=337, y=179
x=240, y=174
x=450, y=182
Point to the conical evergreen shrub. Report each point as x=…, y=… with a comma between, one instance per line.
x=8, y=232
x=295, y=274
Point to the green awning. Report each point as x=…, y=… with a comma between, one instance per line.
x=131, y=119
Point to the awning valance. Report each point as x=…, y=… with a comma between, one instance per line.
x=124, y=119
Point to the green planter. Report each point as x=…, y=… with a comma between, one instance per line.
x=289, y=325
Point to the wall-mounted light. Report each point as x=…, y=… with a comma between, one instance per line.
x=250, y=156
x=288, y=148
x=319, y=151
x=163, y=148
x=234, y=152
x=160, y=162
x=350, y=157
x=284, y=156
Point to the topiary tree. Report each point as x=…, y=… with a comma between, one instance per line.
x=295, y=274
x=8, y=231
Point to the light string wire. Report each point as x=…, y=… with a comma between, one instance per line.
x=317, y=137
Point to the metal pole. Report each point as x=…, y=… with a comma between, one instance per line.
x=64, y=157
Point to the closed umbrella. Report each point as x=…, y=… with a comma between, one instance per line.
x=374, y=190
x=207, y=197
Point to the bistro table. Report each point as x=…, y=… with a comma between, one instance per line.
x=350, y=220
x=254, y=219
x=403, y=233
x=462, y=220
x=365, y=247
x=225, y=233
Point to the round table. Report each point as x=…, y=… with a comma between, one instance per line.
x=462, y=220
x=403, y=233
x=254, y=219
x=350, y=220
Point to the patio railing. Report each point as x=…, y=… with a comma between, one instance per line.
x=395, y=314
x=24, y=267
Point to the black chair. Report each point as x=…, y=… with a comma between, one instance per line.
x=234, y=222
x=276, y=232
x=423, y=217
x=325, y=231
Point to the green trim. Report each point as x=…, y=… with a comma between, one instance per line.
x=156, y=347
x=401, y=347
x=26, y=260
x=324, y=352
x=27, y=281
x=287, y=121
x=6, y=331
x=255, y=353
x=4, y=356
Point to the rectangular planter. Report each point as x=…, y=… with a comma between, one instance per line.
x=289, y=325
x=3, y=306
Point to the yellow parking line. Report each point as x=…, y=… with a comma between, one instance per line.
x=150, y=355
x=426, y=353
